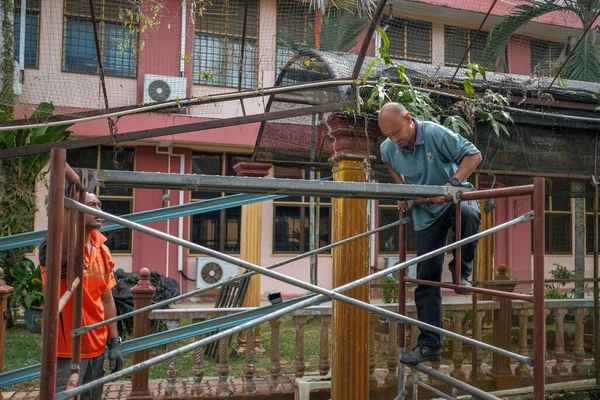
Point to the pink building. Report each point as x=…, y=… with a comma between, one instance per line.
x=180, y=57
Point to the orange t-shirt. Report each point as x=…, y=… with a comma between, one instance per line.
x=97, y=278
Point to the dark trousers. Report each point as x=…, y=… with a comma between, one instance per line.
x=428, y=299
x=90, y=369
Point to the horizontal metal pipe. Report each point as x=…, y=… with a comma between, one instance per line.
x=492, y=292
x=192, y=101
x=495, y=193
x=460, y=385
x=333, y=294
x=529, y=281
x=67, y=295
x=248, y=274
x=432, y=389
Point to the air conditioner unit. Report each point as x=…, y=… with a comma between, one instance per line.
x=163, y=88
x=389, y=262
x=211, y=270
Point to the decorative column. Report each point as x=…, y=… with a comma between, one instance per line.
x=142, y=296
x=250, y=246
x=501, y=334
x=350, y=143
x=5, y=291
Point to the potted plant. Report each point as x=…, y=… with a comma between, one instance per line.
x=27, y=284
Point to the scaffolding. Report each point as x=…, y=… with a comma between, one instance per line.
x=59, y=171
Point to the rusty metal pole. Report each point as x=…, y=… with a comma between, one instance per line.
x=401, y=306
x=142, y=296
x=52, y=286
x=457, y=237
x=5, y=291
x=539, y=316
x=71, y=238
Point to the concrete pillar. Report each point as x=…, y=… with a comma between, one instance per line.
x=250, y=245
x=578, y=192
x=142, y=296
x=350, y=148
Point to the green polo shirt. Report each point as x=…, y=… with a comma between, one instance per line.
x=438, y=152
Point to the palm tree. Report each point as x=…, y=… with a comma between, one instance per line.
x=583, y=63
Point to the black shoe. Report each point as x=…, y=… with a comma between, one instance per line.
x=421, y=353
x=464, y=282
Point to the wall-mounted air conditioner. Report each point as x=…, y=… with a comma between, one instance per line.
x=389, y=262
x=162, y=88
x=211, y=270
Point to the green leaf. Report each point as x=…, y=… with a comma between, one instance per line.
x=385, y=45
x=370, y=67
x=469, y=89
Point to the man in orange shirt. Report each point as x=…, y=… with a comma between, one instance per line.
x=98, y=305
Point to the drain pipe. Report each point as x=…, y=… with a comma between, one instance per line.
x=183, y=34
x=180, y=224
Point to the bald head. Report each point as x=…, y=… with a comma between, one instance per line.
x=396, y=123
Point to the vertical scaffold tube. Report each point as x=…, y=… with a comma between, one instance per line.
x=53, y=262
x=539, y=323
x=401, y=307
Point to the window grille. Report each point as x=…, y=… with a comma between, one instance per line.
x=218, y=44
x=456, y=43
x=409, y=39
x=546, y=57
x=291, y=216
x=32, y=32
x=118, y=43
x=218, y=230
x=117, y=201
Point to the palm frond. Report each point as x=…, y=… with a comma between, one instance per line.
x=584, y=62
x=364, y=7
x=286, y=38
x=501, y=32
x=341, y=32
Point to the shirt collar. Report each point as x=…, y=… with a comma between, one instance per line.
x=419, y=134
x=96, y=238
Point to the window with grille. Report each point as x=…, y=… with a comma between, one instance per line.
x=409, y=40
x=117, y=42
x=218, y=230
x=32, y=32
x=291, y=216
x=389, y=240
x=558, y=217
x=457, y=41
x=117, y=201
x=589, y=219
x=218, y=44
x=293, y=19
x=546, y=57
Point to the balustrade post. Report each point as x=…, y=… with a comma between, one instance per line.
x=579, y=367
x=275, y=366
x=523, y=371
x=223, y=369
x=198, y=371
x=391, y=379
x=457, y=353
x=324, y=365
x=559, y=349
x=477, y=335
x=249, y=368
x=502, y=329
x=299, y=364
x=5, y=291
x=142, y=297
x=171, y=387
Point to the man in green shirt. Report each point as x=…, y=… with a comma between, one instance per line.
x=426, y=153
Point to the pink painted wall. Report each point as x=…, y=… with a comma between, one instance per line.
x=519, y=56
x=148, y=251
x=165, y=40
x=502, y=8
x=513, y=245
